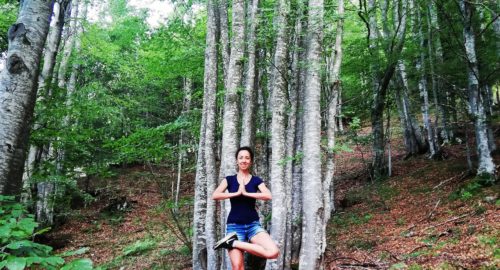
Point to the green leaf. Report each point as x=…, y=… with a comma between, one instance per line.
x=75, y=252
x=53, y=260
x=78, y=264
x=139, y=247
x=15, y=263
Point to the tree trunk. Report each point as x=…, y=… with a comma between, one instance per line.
x=445, y=132
x=486, y=165
x=248, y=121
x=334, y=85
x=230, y=136
x=422, y=85
x=279, y=101
x=18, y=89
x=313, y=207
x=68, y=44
x=224, y=39
x=52, y=44
x=377, y=109
x=381, y=79
x=301, y=73
x=412, y=136
x=186, y=106
x=204, y=231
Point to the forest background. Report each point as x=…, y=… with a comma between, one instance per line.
x=340, y=99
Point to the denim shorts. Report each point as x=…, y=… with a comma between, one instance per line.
x=245, y=232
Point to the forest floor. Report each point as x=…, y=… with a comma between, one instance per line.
x=427, y=215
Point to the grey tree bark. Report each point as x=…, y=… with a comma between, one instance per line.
x=248, y=115
x=68, y=45
x=422, y=84
x=313, y=246
x=204, y=229
x=412, y=136
x=278, y=99
x=50, y=53
x=475, y=104
x=224, y=38
x=382, y=77
x=186, y=106
x=18, y=89
x=443, y=127
x=297, y=198
x=294, y=142
x=231, y=117
x=334, y=83
x=46, y=190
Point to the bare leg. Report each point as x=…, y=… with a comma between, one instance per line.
x=237, y=260
x=262, y=245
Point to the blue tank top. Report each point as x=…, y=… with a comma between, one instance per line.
x=243, y=208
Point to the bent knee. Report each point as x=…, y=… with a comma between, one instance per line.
x=273, y=254
x=237, y=265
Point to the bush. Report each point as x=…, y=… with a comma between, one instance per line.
x=17, y=228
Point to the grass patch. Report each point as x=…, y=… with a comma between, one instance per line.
x=345, y=220
x=363, y=244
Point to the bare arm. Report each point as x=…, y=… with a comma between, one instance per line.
x=220, y=194
x=265, y=193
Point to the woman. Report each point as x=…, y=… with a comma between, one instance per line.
x=243, y=231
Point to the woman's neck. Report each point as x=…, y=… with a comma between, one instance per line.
x=244, y=172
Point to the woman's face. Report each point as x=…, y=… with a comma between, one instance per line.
x=244, y=160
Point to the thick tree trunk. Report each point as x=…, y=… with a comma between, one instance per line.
x=204, y=231
x=279, y=101
x=230, y=134
x=313, y=207
x=18, y=89
x=475, y=104
x=248, y=121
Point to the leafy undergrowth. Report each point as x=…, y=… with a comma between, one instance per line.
x=428, y=215
x=129, y=225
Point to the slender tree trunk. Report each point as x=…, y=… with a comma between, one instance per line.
x=52, y=44
x=248, y=121
x=381, y=80
x=68, y=44
x=297, y=194
x=334, y=85
x=292, y=245
x=313, y=207
x=186, y=106
x=46, y=190
x=412, y=136
x=204, y=232
x=445, y=132
x=377, y=109
x=278, y=99
x=224, y=39
x=475, y=104
x=18, y=89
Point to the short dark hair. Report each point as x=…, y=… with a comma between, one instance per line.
x=244, y=148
